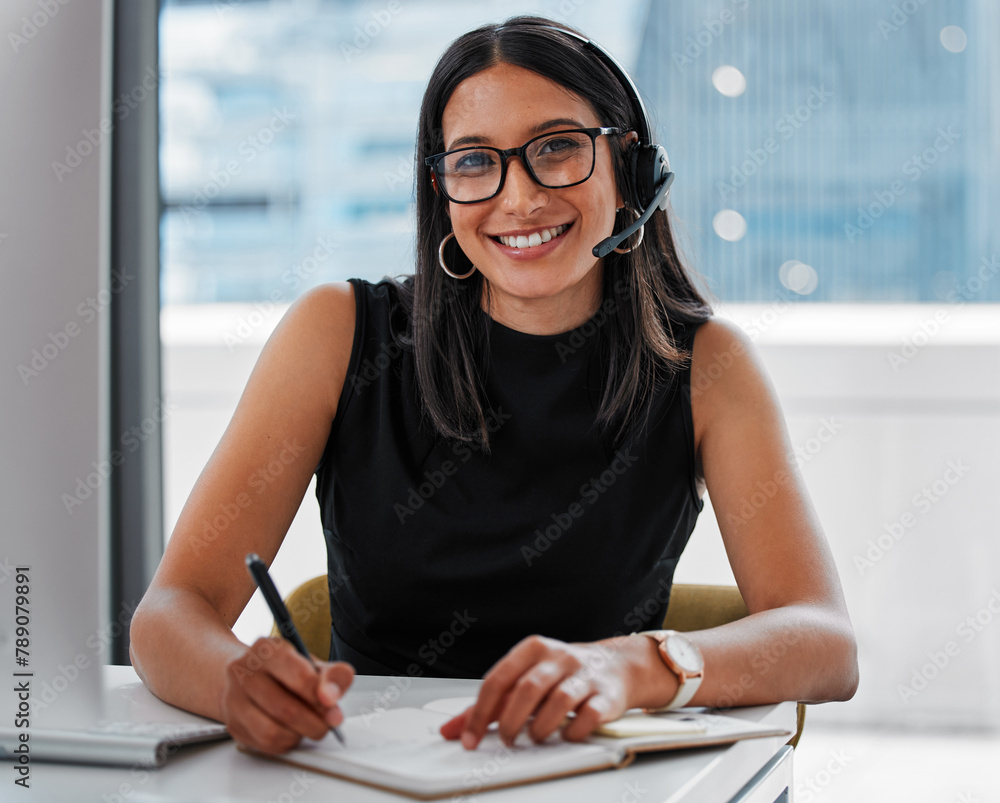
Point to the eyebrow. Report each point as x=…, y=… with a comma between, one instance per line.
x=478, y=139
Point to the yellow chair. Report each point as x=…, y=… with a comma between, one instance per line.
x=692, y=607
x=309, y=606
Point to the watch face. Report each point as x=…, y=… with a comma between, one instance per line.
x=685, y=654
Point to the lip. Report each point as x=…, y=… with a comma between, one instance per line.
x=537, y=251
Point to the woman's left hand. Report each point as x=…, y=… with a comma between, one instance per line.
x=538, y=683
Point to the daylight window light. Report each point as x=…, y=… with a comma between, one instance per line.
x=729, y=81
x=729, y=225
x=953, y=39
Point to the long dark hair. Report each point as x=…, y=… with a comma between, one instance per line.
x=650, y=287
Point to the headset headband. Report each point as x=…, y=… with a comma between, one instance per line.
x=644, y=130
x=648, y=163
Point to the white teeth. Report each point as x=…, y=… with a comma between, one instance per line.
x=537, y=238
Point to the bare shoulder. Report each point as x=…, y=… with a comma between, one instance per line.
x=327, y=308
x=728, y=379
x=316, y=335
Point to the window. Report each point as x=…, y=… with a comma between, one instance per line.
x=835, y=151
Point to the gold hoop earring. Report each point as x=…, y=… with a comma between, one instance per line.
x=642, y=232
x=450, y=235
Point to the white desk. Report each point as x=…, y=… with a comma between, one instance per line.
x=219, y=773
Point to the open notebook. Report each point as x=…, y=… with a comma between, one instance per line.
x=402, y=750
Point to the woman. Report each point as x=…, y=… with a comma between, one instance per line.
x=509, y=444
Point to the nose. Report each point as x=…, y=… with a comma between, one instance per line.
x=520, y=193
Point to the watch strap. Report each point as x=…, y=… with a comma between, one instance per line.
x=687, y=685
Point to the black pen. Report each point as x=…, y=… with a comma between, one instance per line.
x=281, y=616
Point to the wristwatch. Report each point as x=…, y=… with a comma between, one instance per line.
x=684, y=659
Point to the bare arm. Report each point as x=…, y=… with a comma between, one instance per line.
x=797, y=643
x=183, y=646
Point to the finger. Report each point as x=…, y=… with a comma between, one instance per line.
x=277, y=659
x=596, y=710
x=530, y=691
x=452, y=729
x=497, y=686
x=334, y=680
x=253, y=727
x=287, y=709
x=565, y=697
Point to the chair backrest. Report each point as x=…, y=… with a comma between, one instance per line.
x=699, y=607
x=692, y=607
x=309, y=606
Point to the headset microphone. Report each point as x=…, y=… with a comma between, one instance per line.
x=649, y=165
x=609, y=244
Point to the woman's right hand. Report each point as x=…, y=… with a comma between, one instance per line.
x=273, y=696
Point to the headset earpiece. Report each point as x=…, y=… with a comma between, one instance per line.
x=648, y=162
x=649, y=165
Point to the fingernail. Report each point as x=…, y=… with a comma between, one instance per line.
x=469, y=740
x=334, y=717
x=329, y=693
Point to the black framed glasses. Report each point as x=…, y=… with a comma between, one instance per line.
x=554, y=160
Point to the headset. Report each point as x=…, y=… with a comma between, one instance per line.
x=648, y=162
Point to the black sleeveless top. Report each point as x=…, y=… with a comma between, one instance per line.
x=441, y=558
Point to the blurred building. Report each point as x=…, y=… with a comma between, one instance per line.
x=850, y=136
x=288, y=128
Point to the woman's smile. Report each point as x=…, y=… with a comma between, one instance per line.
x=531, y=243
